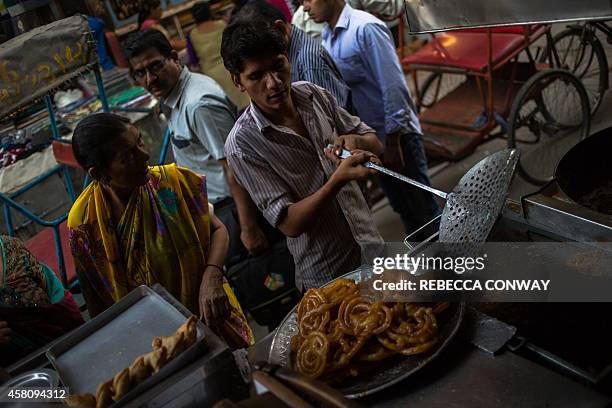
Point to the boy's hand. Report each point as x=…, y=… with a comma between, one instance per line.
x=349, y=142
x=351, y=168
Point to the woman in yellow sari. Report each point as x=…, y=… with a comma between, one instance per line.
x=139, y=225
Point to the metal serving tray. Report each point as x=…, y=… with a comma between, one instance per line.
x=102, y=347
x=41, y=378
x=390, y=371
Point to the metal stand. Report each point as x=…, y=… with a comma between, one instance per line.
x=9, y=199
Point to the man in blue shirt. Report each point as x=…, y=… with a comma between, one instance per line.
x=362, y=48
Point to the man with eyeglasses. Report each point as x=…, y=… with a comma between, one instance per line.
x=200, y=116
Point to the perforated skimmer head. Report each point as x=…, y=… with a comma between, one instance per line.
x=473, y=206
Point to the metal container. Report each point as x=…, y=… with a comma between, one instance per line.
x=440, y=15
x=585, y=174
x=391, y=371
x=42, y=378
x=101, y=348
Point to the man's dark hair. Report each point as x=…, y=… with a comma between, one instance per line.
x=93, y=140
x=201, y=12
x=245, y=40
x=238, y=4
x=141, y=41
x=259, y=10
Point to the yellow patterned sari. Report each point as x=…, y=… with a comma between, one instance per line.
x=163, y=237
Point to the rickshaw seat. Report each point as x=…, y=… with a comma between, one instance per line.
x=467, y=49
x=516, y=29
x=63, y=154
x=42, y=246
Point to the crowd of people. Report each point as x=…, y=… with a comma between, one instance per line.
x=250, y=127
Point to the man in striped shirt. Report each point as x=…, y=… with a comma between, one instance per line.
x=309, y=60
x=276, y=151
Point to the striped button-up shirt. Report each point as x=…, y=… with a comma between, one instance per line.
x=310, y=62
x=279, y=167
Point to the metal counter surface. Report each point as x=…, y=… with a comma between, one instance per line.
x=464, y=376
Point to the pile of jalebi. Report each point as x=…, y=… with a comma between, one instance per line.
x=339, y=329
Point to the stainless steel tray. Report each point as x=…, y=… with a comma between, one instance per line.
x=390, y=371
x=41, y=378
x=102, y=347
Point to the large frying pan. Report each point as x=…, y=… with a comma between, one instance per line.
x=584, y=174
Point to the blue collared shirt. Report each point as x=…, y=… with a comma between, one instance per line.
x=363, y=49
x=310, y=62
x=200, y=116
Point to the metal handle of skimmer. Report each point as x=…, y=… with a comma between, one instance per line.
x=345, y=154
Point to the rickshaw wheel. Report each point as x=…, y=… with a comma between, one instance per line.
x=549, y=115
x=436, y=86
x=581, y=53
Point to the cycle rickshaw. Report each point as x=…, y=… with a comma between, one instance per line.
x=483, y=79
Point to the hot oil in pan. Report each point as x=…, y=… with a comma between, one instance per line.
x=599, y=199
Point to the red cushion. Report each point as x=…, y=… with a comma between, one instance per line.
x=456, y=49
x=516, y=29
x=63, y=154
x=42, y=246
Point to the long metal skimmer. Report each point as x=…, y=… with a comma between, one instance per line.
x=473, y=206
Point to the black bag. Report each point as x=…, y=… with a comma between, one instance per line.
x=264, y=284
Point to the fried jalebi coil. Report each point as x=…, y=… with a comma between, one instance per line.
x=358, y=317
x=419, y=348
x=422, y=322
x=348, y=347
x=338, y=290
x=316, y=319
x=400, y=337
x=411, y=309
x=311, y=300
x=334, y=331
x=313, y=312
x=313, y=355
x=342, y=333
x=374, y=351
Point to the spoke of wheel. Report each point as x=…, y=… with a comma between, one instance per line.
x=567, y=51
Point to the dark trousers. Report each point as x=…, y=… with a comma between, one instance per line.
x=414, y=205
